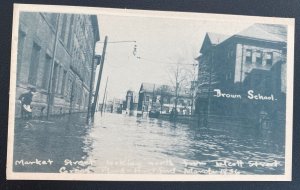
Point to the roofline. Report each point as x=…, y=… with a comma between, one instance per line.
x=259, y=39
x=250, y=38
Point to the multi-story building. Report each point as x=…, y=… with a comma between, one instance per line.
x=55, y=54
x=254, y=59
x=162, y=98
x=130, y=103
x=117, y=105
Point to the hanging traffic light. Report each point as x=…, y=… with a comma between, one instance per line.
x=134, y=50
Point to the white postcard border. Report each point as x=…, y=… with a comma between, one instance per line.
x=289, y=22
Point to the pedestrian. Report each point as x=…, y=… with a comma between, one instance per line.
x=25, y=100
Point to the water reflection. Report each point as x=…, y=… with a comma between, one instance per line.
x=123, y=144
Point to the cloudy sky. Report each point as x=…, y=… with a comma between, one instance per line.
x=161, y=42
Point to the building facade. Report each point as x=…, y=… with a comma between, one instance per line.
x=252, y=61
x=55, y=54
x=131, y=103
x=162, y=98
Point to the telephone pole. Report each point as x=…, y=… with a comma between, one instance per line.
x=104, y=96
x=99, y=78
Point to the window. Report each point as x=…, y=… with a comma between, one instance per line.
x=258, y=57
x=63, y=82
x=53, y=19
x=63, y=27
x=181, y=102
x=54, y=77
x=228, y=54
x=70, y=33
x=147, y=98
x=248, y=56
x=20, y=52
x=154, y=99
x=189, y=103
x=228, y=76
x=57, y=89
x=78, y=95
x=47, y=68
x=33, y=68
x=269, y=58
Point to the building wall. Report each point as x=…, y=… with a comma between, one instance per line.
x=72, y=60
x=147, y=104
x=243, y=66
x=216, y=68
x=231, y=68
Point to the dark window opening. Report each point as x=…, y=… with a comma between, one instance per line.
x=248, y=56
x=259, y=57
x=47, y=68
x=63, y=27
x=35, y=56
x=63, y=82
x=20, y=53
x=269, y=58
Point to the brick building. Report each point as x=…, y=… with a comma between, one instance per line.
x=55, y=54
x=253, y=59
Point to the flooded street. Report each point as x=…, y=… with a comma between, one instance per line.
x=118, y=143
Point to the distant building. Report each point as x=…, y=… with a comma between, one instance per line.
x=131, y=103
x=117, y=105
x=55, y=54
x=253, y=59
x=108, y=106
x=162, y=98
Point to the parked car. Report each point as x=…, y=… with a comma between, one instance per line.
x=154, y=114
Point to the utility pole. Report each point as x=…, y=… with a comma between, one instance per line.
x=50, y=84
x=91, y=86
x=104, y=96
x=152, y=96
x=99, y=77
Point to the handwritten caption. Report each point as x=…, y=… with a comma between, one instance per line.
x=167, y=166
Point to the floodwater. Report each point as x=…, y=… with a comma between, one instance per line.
x=117, y=144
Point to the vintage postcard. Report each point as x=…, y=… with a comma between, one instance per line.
x=118, y=94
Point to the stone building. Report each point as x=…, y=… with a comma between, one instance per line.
x=253, y=59
x=55, y=54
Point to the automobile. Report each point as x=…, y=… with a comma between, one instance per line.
x=154, y=113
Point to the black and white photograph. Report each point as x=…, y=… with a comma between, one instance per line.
x=121, y=94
